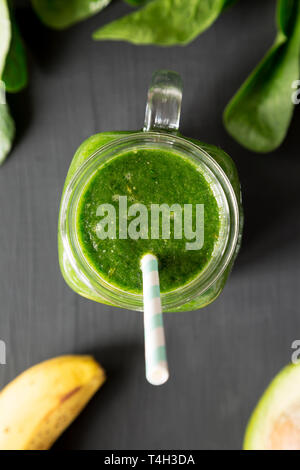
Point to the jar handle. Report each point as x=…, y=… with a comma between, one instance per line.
x=164, y=102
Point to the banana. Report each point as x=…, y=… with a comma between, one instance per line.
x=39, y=404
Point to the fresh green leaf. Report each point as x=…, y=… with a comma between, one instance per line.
x=60, y=14
x=7, y=132
x=15, y=72
x=5, y=33
x=136, y=3
x=258, y=116
x=228, y=3
x=164, y=22
x=7, y=127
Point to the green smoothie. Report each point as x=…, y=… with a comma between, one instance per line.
x=151, y=176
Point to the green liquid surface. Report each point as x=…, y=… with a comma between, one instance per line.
x=147, y=177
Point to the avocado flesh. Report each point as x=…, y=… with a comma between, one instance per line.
x=275, y=422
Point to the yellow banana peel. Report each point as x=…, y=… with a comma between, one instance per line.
x=39, y=404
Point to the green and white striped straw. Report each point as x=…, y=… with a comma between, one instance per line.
x=157, y=372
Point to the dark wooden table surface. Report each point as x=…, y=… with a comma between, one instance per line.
x=222, y=357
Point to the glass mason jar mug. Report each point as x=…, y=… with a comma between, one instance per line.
x=160, y=134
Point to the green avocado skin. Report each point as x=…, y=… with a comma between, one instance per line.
x=282, y=392
x=87, y=148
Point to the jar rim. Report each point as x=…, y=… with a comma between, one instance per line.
x=223, y=251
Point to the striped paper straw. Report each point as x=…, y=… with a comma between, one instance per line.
x=157, y=372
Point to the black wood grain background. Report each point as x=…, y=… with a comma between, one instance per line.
x=222, y=357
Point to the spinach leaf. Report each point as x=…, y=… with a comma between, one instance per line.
x=7, y=127
x=5, y=33
x=7, y=131
x=59, y=14
x=259, y=114
x=15, y=72
x=136, y=3
x=164, y=22
x=229, y=3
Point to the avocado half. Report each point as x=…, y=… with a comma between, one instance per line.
x=275, y=422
